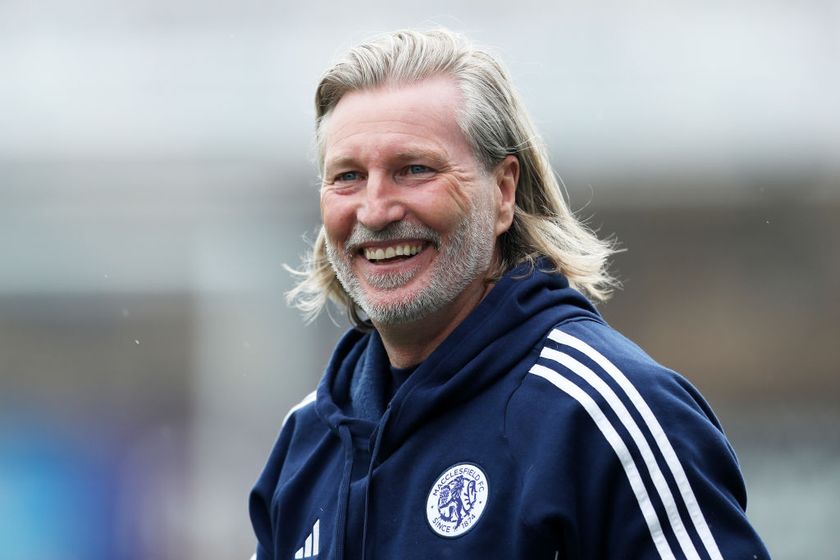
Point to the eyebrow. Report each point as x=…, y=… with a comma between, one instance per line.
x=432, y=156
x=341, y=161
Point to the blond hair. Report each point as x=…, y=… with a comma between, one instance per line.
x=496, y=125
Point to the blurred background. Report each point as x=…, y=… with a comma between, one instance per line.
x=156, y=172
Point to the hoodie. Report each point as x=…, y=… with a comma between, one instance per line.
x=534, y=431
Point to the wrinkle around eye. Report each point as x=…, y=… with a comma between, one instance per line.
x=344, y=180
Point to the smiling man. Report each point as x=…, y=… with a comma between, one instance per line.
x=411, y=217
x=480, y=407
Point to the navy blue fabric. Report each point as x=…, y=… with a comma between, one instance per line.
x=362, y=464
x=398, y=377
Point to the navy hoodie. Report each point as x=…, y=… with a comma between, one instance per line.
x=534, y=431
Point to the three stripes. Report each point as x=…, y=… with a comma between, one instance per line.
x=312, y=544
x=561, y=379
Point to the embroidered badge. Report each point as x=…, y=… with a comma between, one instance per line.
x=457, y=499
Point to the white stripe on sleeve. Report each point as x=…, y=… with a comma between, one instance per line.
x=659, y=436
x=641, y=443
x=621, y=451
x=306, y=400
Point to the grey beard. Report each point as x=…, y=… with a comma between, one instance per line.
x=466, y=256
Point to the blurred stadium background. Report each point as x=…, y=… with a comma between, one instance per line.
x=156, y=172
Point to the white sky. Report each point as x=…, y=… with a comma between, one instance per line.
x=634, y=85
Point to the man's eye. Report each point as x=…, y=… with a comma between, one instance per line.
x=417, y=169
x=346, y=177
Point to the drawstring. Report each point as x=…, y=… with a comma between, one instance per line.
x=373, y=453
x=343, y=491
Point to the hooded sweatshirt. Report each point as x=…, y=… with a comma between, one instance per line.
x=533, y=431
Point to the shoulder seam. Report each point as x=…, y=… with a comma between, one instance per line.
x=571, y=320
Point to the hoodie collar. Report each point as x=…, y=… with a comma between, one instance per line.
x=514, y=316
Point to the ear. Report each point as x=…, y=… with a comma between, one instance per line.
x=506, y=176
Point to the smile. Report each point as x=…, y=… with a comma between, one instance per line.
x=375, y=254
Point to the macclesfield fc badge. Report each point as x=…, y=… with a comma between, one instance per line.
x=457, y=500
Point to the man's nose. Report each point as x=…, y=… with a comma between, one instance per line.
x=382, y=204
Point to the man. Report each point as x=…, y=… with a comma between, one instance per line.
x=481, y=407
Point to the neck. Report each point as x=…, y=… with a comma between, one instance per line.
x=408, y=344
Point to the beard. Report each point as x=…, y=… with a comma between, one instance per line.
x=462, y=258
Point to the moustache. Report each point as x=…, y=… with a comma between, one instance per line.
x=396, y=231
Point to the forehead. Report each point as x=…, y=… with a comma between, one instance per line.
x=397, y=118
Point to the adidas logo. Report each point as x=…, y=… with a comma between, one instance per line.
x=310, y=547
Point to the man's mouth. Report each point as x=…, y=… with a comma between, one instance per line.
x=392, y=252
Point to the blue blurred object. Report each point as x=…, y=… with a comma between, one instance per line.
x=55, y=497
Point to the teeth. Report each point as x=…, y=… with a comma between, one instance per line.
x=391, y=252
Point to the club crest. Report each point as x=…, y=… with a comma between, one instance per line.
x=457, y=499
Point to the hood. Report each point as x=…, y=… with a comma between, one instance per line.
x=500, y=331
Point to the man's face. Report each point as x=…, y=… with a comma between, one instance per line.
x=411, y=217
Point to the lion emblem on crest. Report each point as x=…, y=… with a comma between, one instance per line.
x=457, y=499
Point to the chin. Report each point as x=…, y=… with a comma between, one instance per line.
x=400, y=307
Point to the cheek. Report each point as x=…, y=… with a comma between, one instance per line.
x=440, y=214
x=457, y=196
x=337, y=216
x=443, y=208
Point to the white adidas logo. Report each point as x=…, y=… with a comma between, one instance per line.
x=310, y=547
